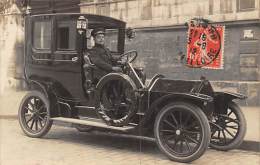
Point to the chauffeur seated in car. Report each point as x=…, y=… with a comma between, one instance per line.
x=101, y=58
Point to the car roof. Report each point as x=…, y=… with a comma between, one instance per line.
x=93, y=20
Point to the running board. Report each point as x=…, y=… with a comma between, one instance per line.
x=91, y=123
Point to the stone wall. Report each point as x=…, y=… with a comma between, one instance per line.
x=161, y=35
x=11, y=44
x=159, y=51
x=154, y=13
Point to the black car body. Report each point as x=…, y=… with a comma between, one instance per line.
x=56, y=45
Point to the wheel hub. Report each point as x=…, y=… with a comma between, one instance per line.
x=178, y=132
x=221, y=122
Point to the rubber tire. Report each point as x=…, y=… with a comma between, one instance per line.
x=242, y=130
x=106, y=79
x=49, y=122
x=205, y=128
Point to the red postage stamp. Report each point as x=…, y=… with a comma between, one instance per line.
x=205, y=46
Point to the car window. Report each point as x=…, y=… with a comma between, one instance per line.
x=112, y=39
x=66, y=35
x=90, y=39
x=42, y=34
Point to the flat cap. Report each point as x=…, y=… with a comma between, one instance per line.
x=98, y=31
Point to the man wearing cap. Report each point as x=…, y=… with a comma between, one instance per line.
x=101, y=56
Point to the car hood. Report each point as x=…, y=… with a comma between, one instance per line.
x=180, y=86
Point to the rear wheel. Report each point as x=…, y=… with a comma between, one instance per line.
x=229, y=129
x=34, y=114
x=182, y=131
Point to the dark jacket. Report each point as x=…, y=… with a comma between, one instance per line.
x=103, y=60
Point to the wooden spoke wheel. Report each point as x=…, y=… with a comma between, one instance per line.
x=228, y=130
x=182, y=131
x=34, y=114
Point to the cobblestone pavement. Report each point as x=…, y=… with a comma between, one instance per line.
x=66, y=146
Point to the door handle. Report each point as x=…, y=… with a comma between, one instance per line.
x=74, y=59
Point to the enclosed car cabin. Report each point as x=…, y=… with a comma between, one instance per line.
x=54, y=50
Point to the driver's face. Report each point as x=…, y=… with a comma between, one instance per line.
x=99, y=39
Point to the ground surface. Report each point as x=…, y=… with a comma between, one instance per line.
x=66, y=146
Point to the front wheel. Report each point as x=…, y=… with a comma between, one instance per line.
x=182, y=131
x=34, y=114
x=228, y=129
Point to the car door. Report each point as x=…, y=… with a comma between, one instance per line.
x=55, y=55
x=67, y=58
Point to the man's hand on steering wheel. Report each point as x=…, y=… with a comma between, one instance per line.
x=128, y=56
x=122, y=61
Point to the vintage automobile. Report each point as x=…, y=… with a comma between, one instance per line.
x=184, y=117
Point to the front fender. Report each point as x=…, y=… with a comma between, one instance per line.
x=194, y=97
x=229, y=96
x=189, y=96
x=222, y=99
x=158, y=104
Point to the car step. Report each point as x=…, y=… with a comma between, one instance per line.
x=91, y=123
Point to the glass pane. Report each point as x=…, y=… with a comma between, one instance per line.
x=112, y=39
x=90, y=42
x=66, y=35
x=42, y=35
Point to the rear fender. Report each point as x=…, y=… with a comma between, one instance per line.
x=39, y=86
x=45, y=88
x=221, y=100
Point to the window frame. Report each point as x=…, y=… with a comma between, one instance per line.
x=57, y=49
x=55, y=36
x=42, y=19
x=110, y=33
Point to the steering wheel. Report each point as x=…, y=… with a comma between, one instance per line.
x=130, y=56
